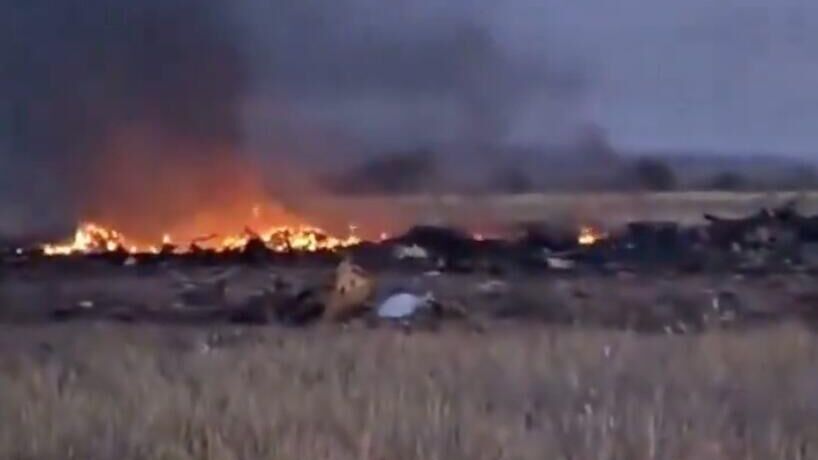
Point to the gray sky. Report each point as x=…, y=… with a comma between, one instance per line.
x=732, y=75
x=727, y=75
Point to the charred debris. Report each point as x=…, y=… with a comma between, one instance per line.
x=770, y=242
x=772, y=239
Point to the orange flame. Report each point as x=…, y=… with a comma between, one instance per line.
x=91, y=238
x=589, y=236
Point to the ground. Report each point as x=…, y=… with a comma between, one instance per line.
x=516, y=379
x=494, y=212
x=547, y=366
x=101, y=391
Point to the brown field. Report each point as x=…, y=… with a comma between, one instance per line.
x=497, y=211
x=93, y=391
x=515, y=388
x=489, y=388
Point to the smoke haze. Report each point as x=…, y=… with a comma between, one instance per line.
x=103, y=99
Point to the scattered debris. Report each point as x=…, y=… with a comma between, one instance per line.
x=411, y=252
x=86, y=304
x=352, y=289
x=403, y=305
x=740, y=250
x=453, y=248
x=493, y=288
x=208, y=291
x=557, y=263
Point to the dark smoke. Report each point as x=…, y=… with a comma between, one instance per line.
x=104, y=94
x=105, y=98
x=399, y=80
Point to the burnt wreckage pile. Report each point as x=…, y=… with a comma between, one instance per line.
x=771, y=239
x=778, y=239
x=638, y=288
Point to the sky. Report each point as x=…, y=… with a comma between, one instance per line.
x=728, y=75
x=731, y=76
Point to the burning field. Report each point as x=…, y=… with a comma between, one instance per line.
x=91, y=238
x=275, y=229
x=653, y=339
x=725, y=273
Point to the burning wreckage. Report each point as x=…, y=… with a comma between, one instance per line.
x=769, y=243
x=771, y=239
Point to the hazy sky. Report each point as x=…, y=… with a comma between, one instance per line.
x=727, y=75
x=99, y=82
x=731, y=75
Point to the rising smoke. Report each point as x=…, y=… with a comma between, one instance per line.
x=116, y=105
x=123, y=109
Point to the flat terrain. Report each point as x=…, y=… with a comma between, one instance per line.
x=102, y=391
x=541, y=366
x=548, y=367
x=497, y=211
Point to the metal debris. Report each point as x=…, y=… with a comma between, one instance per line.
x=403, y=305
x=352, y=289
x=411, y=252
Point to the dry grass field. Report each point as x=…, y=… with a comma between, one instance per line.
x=518, y=388
x=374, y=214
x=101, y=391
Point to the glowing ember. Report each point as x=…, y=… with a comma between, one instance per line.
x=92, y=238
x=589, y=236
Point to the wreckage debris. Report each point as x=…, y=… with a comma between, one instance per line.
x=351, y=292
x=208, y=291
x=404, y=305
x=640, y=302
x=771, y=239
x=493, y=288
x=454, y=249
x=411, y=252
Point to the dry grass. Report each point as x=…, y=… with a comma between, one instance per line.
x=518, y=392
x=488, y=211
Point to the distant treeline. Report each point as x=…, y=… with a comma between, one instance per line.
x=423, y=171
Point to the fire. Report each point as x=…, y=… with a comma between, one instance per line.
x=92, y=238
x=589, y=236
x=88, y=238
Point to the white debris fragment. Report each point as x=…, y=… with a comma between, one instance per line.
x=130, y=261
x=558, y=263
x=492, y=287
x=403, y=305
x=85, y=304
x=411, y=252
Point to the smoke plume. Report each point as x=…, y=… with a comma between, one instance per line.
x=127, y=111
